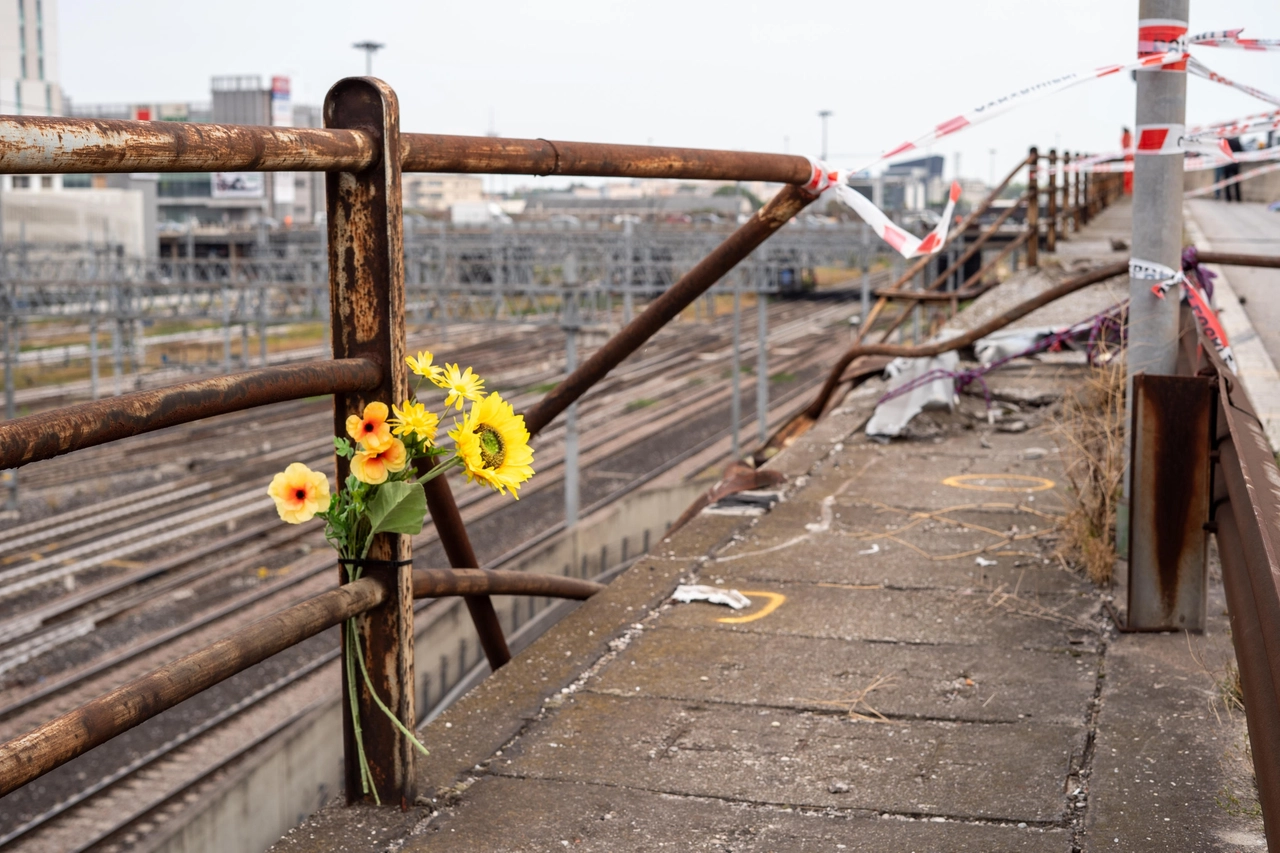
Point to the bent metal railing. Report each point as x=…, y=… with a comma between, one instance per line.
x=363, y=153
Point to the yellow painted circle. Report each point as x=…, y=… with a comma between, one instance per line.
x=999, y=483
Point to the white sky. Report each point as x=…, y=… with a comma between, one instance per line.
x=746, y=74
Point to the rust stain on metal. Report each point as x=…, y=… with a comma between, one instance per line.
x=33, y=144
x=50, y=434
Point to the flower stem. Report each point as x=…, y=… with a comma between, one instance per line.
x=436, y=470
x=390, y=716
x=353, y=651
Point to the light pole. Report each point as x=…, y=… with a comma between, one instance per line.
x=369, y=48
x=824, y=115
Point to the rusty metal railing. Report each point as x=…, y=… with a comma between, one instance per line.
x=363, y=154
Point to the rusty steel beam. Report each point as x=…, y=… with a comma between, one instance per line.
x=1051, y=235
x=36, y=145
x=1071, y=285
x=425, y=152
x=762, y=224
x=1238, y=260
x=438, y=583
x=447, y=519
x=977, y=244
x=366, y=291
x=1033, y=209
x=56, y=742
x=50, y=434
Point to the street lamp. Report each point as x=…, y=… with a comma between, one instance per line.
x=824, y=115
x=369, y=48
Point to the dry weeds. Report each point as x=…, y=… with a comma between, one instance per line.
x=1090, y=429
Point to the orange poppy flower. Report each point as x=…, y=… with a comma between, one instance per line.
x=299, y=493
x=373, y=467
x=372, y=432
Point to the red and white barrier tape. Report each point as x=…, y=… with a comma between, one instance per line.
x=1234, y=179
x=1231, y=38
x=1206, y=317
x=1239, y=126
x=905, y=243
x=1199, y=69
x=1007, y=102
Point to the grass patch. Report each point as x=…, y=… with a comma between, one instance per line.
x=1090, y=427
x=542, y=388
x=783, y=376
x=637, y=405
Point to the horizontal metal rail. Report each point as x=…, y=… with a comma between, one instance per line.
x=1247, y=519
x=425, y=152
x=38, y=145
x=30, y=756
x=43, y=436
x=436, y=583
x=1237, y=259
x=76, y=732
x=934, y=295
x=996, y=323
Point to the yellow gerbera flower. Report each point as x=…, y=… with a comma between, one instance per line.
x=462, y=385
x=414, y=419
x=494, y=445
x=371, y=431
x=299, y=493
x=423, y=367
x=373, y=467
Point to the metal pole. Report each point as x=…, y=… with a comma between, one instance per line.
x=1051, y=236
x=10, y=404
x=262, y=325
x=117, y=347
x=762, y=359
x=93, y=353
x=628, y=308
x=1033, y=209
x=735, y=404
x=226, y=330
x=1157, y=220
x=571, y=415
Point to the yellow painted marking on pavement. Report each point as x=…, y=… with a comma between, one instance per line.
x=775, y=601
x=976, y=483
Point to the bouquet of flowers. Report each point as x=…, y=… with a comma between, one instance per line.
x=384, y=494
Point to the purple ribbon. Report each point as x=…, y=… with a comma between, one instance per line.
x=1204, y=277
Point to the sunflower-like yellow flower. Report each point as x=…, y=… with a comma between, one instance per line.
x=423, y=367
x=414, y=419
x=299, y=493
x=373, y=467
x=371, y=431
x=461, y=384
x=494, y=445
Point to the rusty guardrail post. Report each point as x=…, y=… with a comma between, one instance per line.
x=1051, y=236
x=1170, y=439
x=1033, y=208
x=366, y=291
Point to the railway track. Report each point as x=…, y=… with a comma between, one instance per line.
x=59, y=647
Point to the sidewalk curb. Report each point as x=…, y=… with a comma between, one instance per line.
x=1257, y=369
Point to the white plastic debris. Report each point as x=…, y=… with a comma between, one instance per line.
x=686, y=593
x=981, y=562
x=893, y=415
x=1009, y=342
x=874, y=549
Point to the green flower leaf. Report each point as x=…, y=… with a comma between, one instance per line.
x=397, y=507
x=343, y=447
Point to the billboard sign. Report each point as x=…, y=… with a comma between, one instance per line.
x=237, y=184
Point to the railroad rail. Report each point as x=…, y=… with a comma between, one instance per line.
x=363, y=154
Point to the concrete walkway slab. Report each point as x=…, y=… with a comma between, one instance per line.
x=509, y=816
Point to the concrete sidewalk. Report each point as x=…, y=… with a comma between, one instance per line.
x=918, y=671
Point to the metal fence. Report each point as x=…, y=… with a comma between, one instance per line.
x=363, y=154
